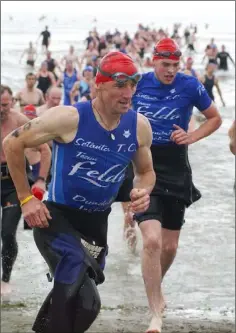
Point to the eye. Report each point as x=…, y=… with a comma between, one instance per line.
x=120, y=84
x=134, y=84
x=176, y=65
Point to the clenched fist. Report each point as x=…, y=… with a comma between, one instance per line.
x=140, y=200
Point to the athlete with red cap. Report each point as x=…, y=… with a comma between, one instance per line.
x=93, y=143
x=11, y=120
x=30, y=111
x=166, y=97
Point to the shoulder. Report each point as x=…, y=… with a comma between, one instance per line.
x=19, y=117
x=41, y=109
x=183, y=78
x=60, y=119
x=39, y=91
x=147, y=79
x=187, y=81
x=147, y=76
x=18, y=94
x=63, y=112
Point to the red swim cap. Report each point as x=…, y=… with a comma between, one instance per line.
x=30, y=110
x=166, y=45
x=115, y=62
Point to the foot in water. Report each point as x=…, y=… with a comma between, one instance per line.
x=130, y=235
x=155, y=325
x=5, y=289
x=163, y=303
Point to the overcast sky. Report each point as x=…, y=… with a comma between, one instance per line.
x=96, y=8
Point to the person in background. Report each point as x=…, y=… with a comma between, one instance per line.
x=209, y=81
x=45, y=78
x=81, y=88
x=223, y=57
x=11, y=120
x=53, y=98
x=31, y=53
x=46, y=38
x=68, y=78
x=30, y=94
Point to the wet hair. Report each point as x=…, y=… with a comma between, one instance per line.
x=30, y=74
x=50, y=89
x=6, y=88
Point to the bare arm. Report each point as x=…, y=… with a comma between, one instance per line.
x=59, y=123
x=142, y=162
x=57, y=65
x=232, y=136
x=231, y=59
x=74, y=92
x=212, y=123
x=219, y=91
x=60, y=80
x=18, y=97
x=41, y=100
x=52, y=78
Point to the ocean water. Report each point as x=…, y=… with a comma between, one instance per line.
x=73, y=29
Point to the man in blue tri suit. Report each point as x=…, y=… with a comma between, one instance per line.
x=68, y=78
x=166, y=97
x=93, y=143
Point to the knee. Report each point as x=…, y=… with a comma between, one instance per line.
x=151, y=243
x=170, y=248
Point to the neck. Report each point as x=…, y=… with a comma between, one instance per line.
x=108, y=119
x=30, y=88
x=158, y=77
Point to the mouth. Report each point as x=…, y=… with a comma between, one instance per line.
x=125, y=104
x=3, y=115
x=169, y=78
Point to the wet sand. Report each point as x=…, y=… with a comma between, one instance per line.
x=199, y=288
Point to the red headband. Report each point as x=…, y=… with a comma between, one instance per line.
x=115, y=62
x=166, y=45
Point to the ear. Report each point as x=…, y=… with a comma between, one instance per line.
x=99, y=86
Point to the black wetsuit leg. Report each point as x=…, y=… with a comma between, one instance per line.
x=11, y=214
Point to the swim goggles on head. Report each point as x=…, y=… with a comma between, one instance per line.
x=122, y=77
x=167, y=54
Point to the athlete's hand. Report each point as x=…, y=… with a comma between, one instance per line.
x=140, y=200
x=180, y=137
x=39, y=184
x=36, y=213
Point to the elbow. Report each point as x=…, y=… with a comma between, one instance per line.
x=5, y=144
x=232, y=148
x=8, y=146
x=217, y=121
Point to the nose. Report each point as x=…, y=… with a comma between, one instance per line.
x=171, y=69
x=127, y=92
